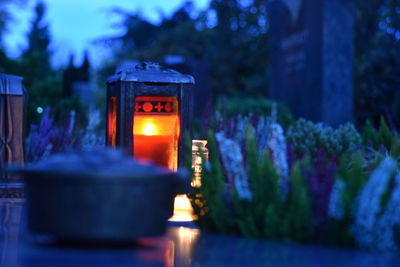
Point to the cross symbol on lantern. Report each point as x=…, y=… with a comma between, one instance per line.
x=137, y=107
x=159, y=107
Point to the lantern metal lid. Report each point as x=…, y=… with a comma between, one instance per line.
x=11, y=85
x=150, y=72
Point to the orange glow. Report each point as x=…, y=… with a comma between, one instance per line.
x=150, y=128
x=112, y=122
x=156, y=131
x=151, y=125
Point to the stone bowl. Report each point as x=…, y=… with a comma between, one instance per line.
x=103, y=201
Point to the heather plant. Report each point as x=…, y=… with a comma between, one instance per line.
x=91, y=137
x=236, y=127
x=38, y=142
x=325, y=185
x=308, y=138
x=350, y=179
x=232, y=160
x=373, y=225
x=267, y=132
x=297, y=210
x=251, y=215
x=321, y=178
x=67, y=134
x=352, y=173
x=383, y=139
x=48, y=137
x=249, y=191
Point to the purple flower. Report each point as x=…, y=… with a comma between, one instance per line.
x=321, y=183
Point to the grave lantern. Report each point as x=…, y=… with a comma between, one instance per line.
x=149, y=110
x=12, y=117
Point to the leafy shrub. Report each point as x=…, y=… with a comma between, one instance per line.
x=308, y=138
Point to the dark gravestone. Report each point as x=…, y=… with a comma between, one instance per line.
x=311, y=58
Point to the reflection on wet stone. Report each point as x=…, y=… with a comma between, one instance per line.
x=184, y=240
x=10, y=218
x=181, y=246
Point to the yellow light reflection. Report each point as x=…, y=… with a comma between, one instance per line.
x=187, y=238
x=184, y=240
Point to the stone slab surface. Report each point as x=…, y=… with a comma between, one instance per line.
x=180, y=246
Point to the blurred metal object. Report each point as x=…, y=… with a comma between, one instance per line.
x=12, y=118
x=100, y=196
x=199, y=152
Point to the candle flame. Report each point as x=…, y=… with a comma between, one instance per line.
x=150, y=128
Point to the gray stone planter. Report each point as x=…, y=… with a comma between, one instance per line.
x=101, y=205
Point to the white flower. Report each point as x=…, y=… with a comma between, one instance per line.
x=90, y=140
x=336, y=205
x=385, y=225
x=277, y=144
x=368, y=205
x=232, y=160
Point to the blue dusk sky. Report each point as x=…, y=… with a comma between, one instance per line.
x=74, y=24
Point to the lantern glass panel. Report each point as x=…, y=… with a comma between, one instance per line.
x=112, y=122
x=156, y=130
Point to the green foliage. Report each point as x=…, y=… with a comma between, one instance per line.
x=208, y=202
x=298, y=213
x=268, y=214
x=230, y=35
x=369, y=134
x=36, y=58
x=353, y=173
x=258, y=217
x=73, y=74
x=376, y=61
x=42, y=82
x=275, y=215
x=308, y=137
x=232, y=106
x=7, y=65
x=385, y=136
